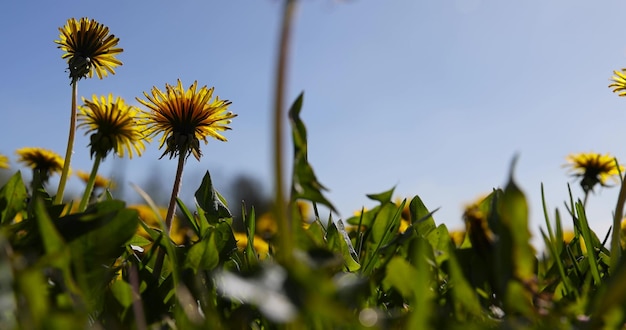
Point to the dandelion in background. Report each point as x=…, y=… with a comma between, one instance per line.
x=100, y=182
x=183, y=117
x=114, y=126
x=619, y=82
x=43, y=162
x=4, y=161
x=88, y=48
x=477, y=227
x=593, y=169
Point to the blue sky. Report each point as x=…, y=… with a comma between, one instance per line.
x=433, y=97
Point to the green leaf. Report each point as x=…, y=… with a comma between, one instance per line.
x=422, y=301
x=421, y=218
x=397, y=272
x=364, y=218
x=386, y=224
x=513, y=211
x=190, y=218
x=304, y=182
x=339, y=242
x=211, y=201
x=250, y=222
x=590, y=241
x=383, y=197
x=463, y=295
x=13, y=197
x=122, y=292
x=203, y=255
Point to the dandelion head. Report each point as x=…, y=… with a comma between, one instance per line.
x=4, y=161
x=100, y=182
x=45, y=161
x=593, y=169
x=619, y=82
x=184, y=117
x=88, y=48
x=477, y=227
x=114, y=126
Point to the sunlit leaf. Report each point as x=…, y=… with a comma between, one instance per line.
x=397, y=274
x=383, y=197
x=13, y=197
x=339, y=241
x=211, y=201
x=203, y=255
x=304, y=182
x=418, y=213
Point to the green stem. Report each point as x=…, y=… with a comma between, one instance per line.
x=616, y=246
x=138, y=310
x=70, y=146
x=171, y=209
x=90, y=184
x=284, y=226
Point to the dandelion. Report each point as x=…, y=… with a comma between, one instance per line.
x=4, y=161
x=183, y=117
x=99, y=183
x=260, y=245
x=477, y=227
x=619, y=82
x=88, y=48
x=180, y=234
x=114, y=127
x=43, y=162
x=593, y=169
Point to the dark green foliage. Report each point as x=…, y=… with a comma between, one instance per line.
x=390, y=267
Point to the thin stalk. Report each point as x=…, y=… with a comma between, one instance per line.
x=138, y=310
x=70, y=146
x=616, y=247
x=171, y=209
x=284, y=225
x=90, y=184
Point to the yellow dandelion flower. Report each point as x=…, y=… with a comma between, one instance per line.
x=593, y=168
x=4, y=161
x=88, y=47
x=100, y=182
x=619, y=82
x=260, y=245
x=477, y=227
x=457, y=237
x=114, y=124
x=266, y=224
x=45, y=161
x=568, y=236
x=180, y=233
x=185, y=117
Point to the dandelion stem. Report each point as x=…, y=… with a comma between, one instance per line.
x=90, y=184
x=138, y=310
x=616, y=248
x=70, y=146
x=284, y=225
x=171, y=209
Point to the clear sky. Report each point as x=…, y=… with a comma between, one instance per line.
x=433, y=97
